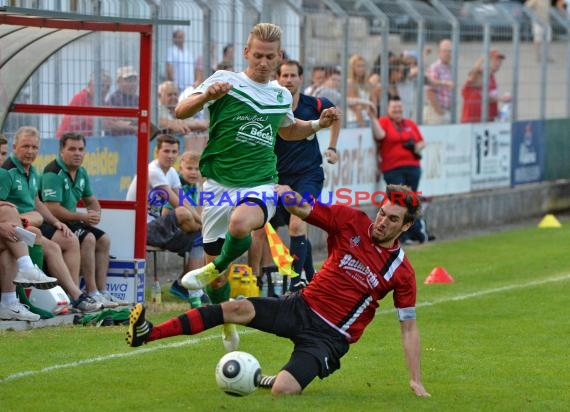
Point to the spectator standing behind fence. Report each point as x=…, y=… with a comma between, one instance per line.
x=168, y=99
x=85, y=98
x=395, y=77
x=126, y=95
x=19, y=185
x=437, y=108
x=3, y=148
x=375, y=78
x=330, y=87
x=358, y=87
x=318, y=76
x=64, y=182
x=180, y=65
x=408, y=85
x=176, y=230
x=562, y=8
x=541, y=8
x=399, y=157
x=472, y=90
x=227, y=62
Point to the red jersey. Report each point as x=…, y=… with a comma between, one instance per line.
x=79, y=124
x=392, y=152
x=357, y=273
x=473, y=101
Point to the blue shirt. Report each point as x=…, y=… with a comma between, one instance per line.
x=302, y=156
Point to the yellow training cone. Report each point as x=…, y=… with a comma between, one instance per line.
x=549, y=221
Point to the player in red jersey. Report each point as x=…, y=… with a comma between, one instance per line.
x=365, y=263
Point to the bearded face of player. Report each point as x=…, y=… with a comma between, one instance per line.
x=389, y=224
x=289, y=78
x=262, y=58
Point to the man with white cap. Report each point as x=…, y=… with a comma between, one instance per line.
x=126, y=95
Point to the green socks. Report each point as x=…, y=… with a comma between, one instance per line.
x=219, y=295
x=233, y=248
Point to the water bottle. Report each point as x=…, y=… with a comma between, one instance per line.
x=156, y=293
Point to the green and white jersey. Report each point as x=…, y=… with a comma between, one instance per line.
x=17, y=186
x=58, y=186
x=243, y=126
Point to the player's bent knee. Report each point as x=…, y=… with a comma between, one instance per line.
x=286, y=384
x=298, y=229
x=88, y=240
x=239, y=227
x=238, y=311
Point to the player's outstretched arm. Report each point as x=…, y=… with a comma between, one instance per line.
x=302, y=129
x=411, y=343
x=195, y=102
x=293, y=201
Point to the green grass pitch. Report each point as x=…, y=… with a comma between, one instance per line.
x=494, y=340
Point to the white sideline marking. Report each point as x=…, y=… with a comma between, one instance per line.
x=560, y=278
x=194, y=341
x=47, y=369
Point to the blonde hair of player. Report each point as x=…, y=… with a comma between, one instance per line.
x=267, y=32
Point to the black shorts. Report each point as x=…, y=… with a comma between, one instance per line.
x=79, y=229
x=306, y=185
x=318, y=347
x=164, y=232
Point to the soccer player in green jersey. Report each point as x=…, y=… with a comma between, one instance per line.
x=246, y=111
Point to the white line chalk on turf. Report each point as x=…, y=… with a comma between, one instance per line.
x=560, y=278
x=195, y=341
x=553, y=279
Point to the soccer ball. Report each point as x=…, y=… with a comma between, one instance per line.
x=238, y=373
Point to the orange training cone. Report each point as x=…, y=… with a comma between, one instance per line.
x=438, y=275
x=549, y=221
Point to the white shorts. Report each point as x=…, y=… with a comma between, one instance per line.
x=219, y=201
x=538, y=33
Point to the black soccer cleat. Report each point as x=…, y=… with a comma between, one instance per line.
x=267, y=381
x=139, y=327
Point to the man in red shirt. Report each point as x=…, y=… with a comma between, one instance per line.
x=84, y=98
x=365, y=263
x=472, y=90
